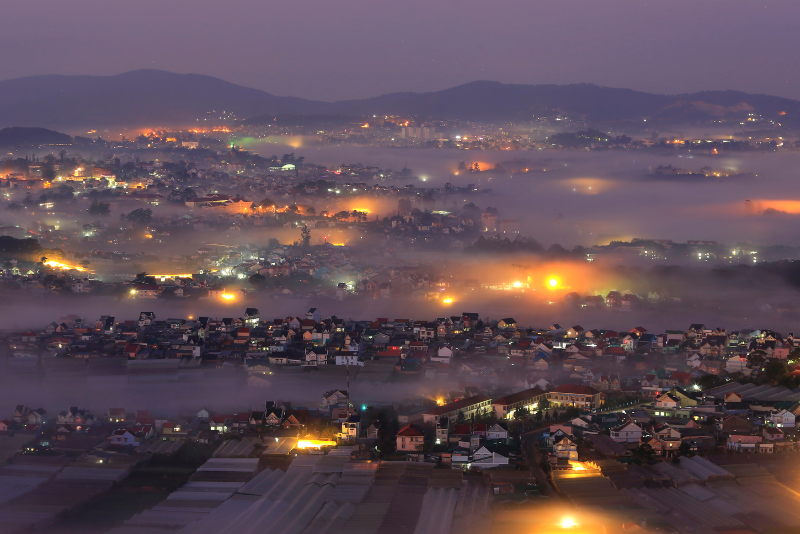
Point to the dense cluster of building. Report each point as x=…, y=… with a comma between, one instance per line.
x=625, y=408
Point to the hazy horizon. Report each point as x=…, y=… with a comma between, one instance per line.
x=369, y=49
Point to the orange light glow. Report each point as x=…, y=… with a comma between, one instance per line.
x=568, y=522
x=590, y=186
x=447, y=300
x=63, y=266
x=314, y=443
x=228, y=296
x=758, y=207
x=553, y=282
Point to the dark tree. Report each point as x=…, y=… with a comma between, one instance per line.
x=99, y=208
x=259, y=281
x=305, y=237
x=140, y=216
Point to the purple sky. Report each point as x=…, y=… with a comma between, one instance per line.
x=328, y=50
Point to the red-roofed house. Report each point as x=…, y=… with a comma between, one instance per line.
x=681, y=378
x=410, y=438
x=131, y=350
x=221, y=423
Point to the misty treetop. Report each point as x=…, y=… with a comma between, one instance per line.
x=139, y=217
x=99, y=208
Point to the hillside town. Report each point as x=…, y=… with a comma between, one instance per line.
x=518, y=413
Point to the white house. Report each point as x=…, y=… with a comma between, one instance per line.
x=564, y=446
x=627, y=433
x=335, y=396
x=483, y=459
x=668, y=401
x=782, y=419
x=443, y=355
x=496, y=432
x=316, y=356
x=123, y=438
x=348, y=359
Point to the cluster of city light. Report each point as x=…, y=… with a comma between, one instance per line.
x=447, y=300
x=228, y=296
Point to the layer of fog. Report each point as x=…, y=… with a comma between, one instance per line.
x=740, y=298
x=592, y=197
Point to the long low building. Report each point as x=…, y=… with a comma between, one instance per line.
x=505, y=407
x=469, y=407
x=577, y=395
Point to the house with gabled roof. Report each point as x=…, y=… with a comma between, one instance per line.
x=628, y=432
x=21, y=413
x=507, y=323
x=36, y=417
x=221, y=423
x=782, y=419
x=667, y=401
x=574, y=331
x=123, y=438
x=564, y=446
x=252, y=316
x=334, y=396
x=410, y=438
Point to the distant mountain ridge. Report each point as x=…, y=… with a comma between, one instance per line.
x=17, y=137
x=160, y=98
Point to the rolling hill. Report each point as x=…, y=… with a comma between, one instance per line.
x=18, y=137
x=159, y=98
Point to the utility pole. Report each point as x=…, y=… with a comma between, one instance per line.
x=347, y=368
